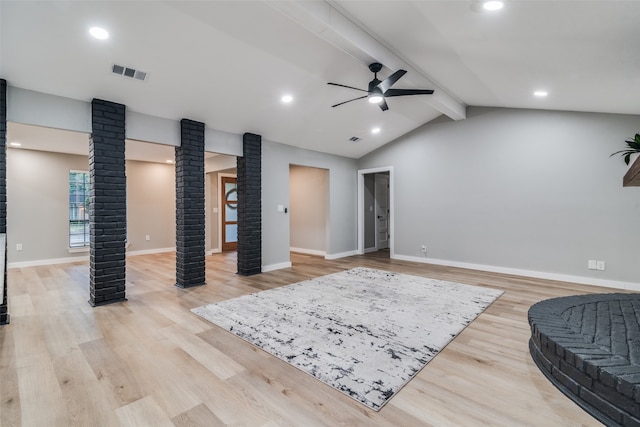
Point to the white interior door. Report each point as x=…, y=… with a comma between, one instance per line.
x=382, y=210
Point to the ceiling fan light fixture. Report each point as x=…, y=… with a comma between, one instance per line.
x=492, y=5
x=375, y=99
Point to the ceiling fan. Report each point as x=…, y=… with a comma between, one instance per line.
x=379, y=90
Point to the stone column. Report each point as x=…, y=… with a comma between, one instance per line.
x=108, y=203
x=4, y=314
x=190, y=247
x=250, y=206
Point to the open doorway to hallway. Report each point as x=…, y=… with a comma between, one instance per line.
x=375, y=211
x=309, y=209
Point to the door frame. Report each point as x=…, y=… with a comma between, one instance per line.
x=375, y=203
x=361, y=207
x=220, y=207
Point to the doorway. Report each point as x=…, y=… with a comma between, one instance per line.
x=229, y=199
x=309, y=209
x=381, y=203
x=376, y=211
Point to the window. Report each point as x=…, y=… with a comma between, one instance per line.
x=78, y=209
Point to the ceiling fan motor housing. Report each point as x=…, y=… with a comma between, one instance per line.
x=375, y=67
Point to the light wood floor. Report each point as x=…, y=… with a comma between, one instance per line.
x=149, y=361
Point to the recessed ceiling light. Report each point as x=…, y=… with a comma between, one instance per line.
x=99, y=33
x=15, y=144
x=540, y=93
x=169, y=161
x=375, y=130
x=286, y=99
x=492, y=5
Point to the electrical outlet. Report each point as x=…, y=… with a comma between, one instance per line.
x=592, y=265
x=424, y=249
x=147, y=237
x=18, y=246
x=600, y=265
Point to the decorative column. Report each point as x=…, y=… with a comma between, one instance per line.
x=108, y=203
x=190, y=248
x=250, y=206
x=4, y=314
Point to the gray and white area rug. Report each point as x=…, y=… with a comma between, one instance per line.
x=364, y=332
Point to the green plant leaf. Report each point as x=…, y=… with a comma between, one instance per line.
x=627, y=158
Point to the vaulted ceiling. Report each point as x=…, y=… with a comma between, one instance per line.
x=228, y=63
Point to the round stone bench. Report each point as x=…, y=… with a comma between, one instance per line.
x=589, y=347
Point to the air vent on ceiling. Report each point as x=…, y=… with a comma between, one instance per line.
x=354, y=139
x=129, y=72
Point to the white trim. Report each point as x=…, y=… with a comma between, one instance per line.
x=361, y=174
x=84, y=258
x=272, y=267
x=35, y=263
x=308, y=251
x=340, y=255
x=372, y=249
x=220, y=207
x=526, y=273
x=150, y=251
x=79, y=250
x=214, y=251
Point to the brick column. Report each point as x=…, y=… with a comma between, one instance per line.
x=190, y=249
x=108, y=203
x=250, y=206
x=4, y=315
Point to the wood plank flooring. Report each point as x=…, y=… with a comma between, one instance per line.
x=150, y=361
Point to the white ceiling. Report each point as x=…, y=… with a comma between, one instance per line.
x=227, y=63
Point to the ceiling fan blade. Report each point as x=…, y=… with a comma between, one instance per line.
x=383, y=105
x=348, y=87
x=389, y=81
x=354, y=99
x=403, y=92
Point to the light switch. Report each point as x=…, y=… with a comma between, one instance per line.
x=280, y=208
x=215, y=210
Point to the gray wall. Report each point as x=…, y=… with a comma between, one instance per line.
x=151, y=206
x=38, y=205
x=41, y=109
x=524, y=189
x=308, y=195
x=342, y=232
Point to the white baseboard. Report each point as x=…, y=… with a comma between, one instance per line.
x=340, y=255
x=373, y=249
x=214, y=251
x=84, y=258
x=150, y=251
x=307, y=251
x=272, y=267
x=525, y=273
x=38, y=262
